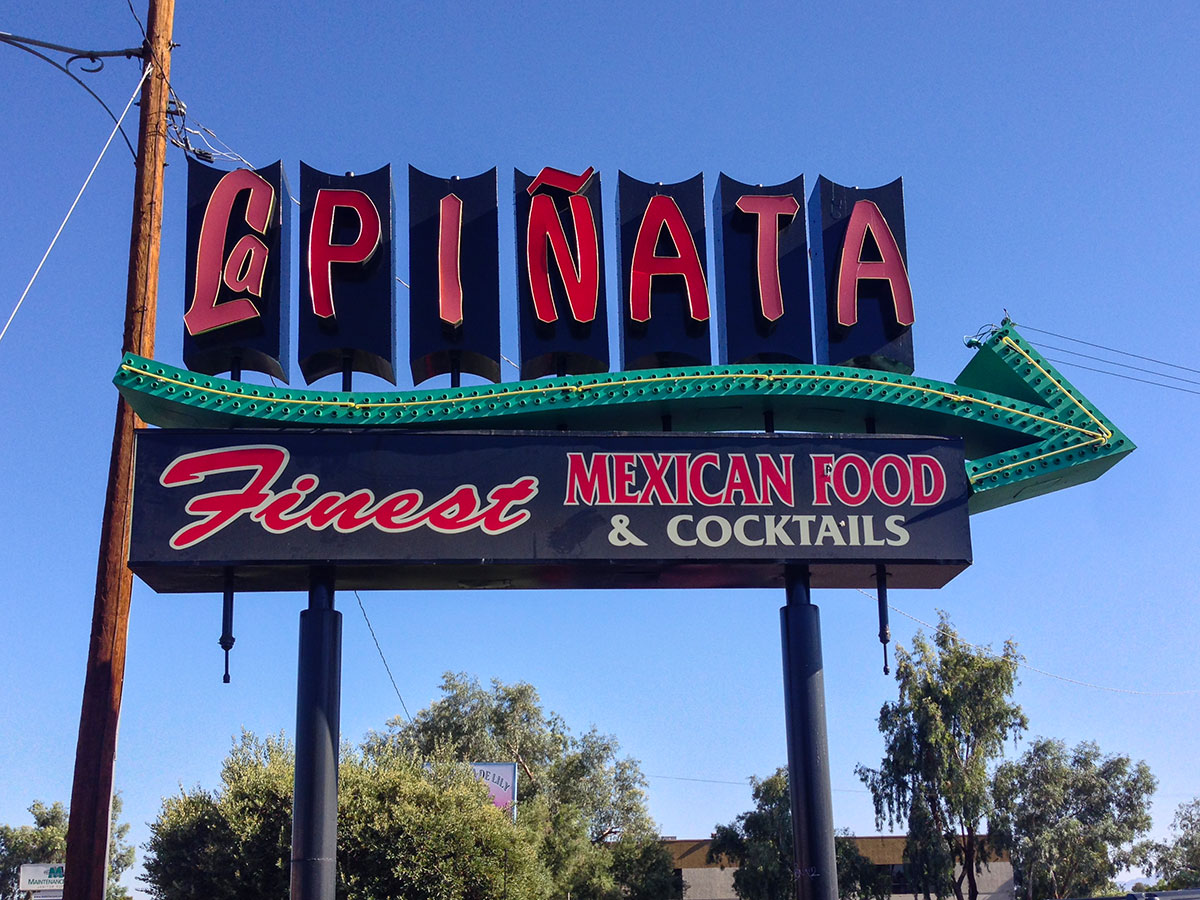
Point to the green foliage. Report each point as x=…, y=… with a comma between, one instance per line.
x=582, y=805
x=234, y=842
x=120, y=853
x=941, y=736
x=428, y=834
x=759, y=843
x=645, y=870
x=46, y=842
x=1069, y=819
x=43, y=842
x=413, y=821
x=405, y=830
x=858, y=877
x=477, y=724
x=1177, y=861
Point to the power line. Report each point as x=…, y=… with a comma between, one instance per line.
x=386, y=667
x=1169, y=387
x=1105, y=361
x=75, y=203
x=1113, y=362
x=1067, y=337
x=94, y=56
x=744, y=783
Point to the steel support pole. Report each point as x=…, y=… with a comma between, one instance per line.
x=318, y=709
x=807, y=744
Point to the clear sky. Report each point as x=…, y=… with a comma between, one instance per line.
x=1049, y=161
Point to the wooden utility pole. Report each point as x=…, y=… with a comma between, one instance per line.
x=91, y=793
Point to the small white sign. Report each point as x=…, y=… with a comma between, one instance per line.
x=41, y=877
x=501, y=781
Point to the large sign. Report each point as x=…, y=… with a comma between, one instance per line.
x=861, y=313
x=439, y=510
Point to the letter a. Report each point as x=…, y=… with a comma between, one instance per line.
x=866, y=217
x=663, y=212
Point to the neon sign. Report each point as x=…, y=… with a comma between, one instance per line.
x=236, y=306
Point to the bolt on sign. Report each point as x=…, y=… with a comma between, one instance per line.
x=237, y=274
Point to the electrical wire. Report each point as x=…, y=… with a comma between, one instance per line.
x=1113, y=362
x=382, y=657
x=988, y=652
x=96, y=56
x=1169, y=387
x=1106, y=361
x=149, y=67
x=180, y=130
x=1067, y=337
x=137, y=18
x=744, y=783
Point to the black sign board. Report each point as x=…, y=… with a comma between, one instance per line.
x=347, y=278
x=560, y=273
x=662, y=245
x=237, y=268
x=548, y=510
x=862, y=300
x=454, y=275
x=762, y=273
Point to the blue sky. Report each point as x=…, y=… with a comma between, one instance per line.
x=1048, y=155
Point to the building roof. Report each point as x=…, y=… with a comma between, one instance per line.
x=880, y=849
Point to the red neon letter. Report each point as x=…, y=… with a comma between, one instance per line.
x=929, y=480
x=219, y=508
x=662, y=211
x=769, y=210
x=582, y=281
x=822, y=469
x=863, y=218
x=247, y=263
x=450, y=293
x=587, y=480
x=323, y=253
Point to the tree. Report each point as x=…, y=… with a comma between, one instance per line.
x=759, y=843
x=645, y=870
x=46, y=842
x=408, y=827
x=1177, y=861
x=940, y=737
x=1069, y=819
x=413, y=821
x=858, y=877
x=582, y=803
x=476, y=724
x=229, y=843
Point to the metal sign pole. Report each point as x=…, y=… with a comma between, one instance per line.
x=318, y=710
x=807, y=743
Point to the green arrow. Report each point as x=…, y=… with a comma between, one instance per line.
x=1026, y=430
